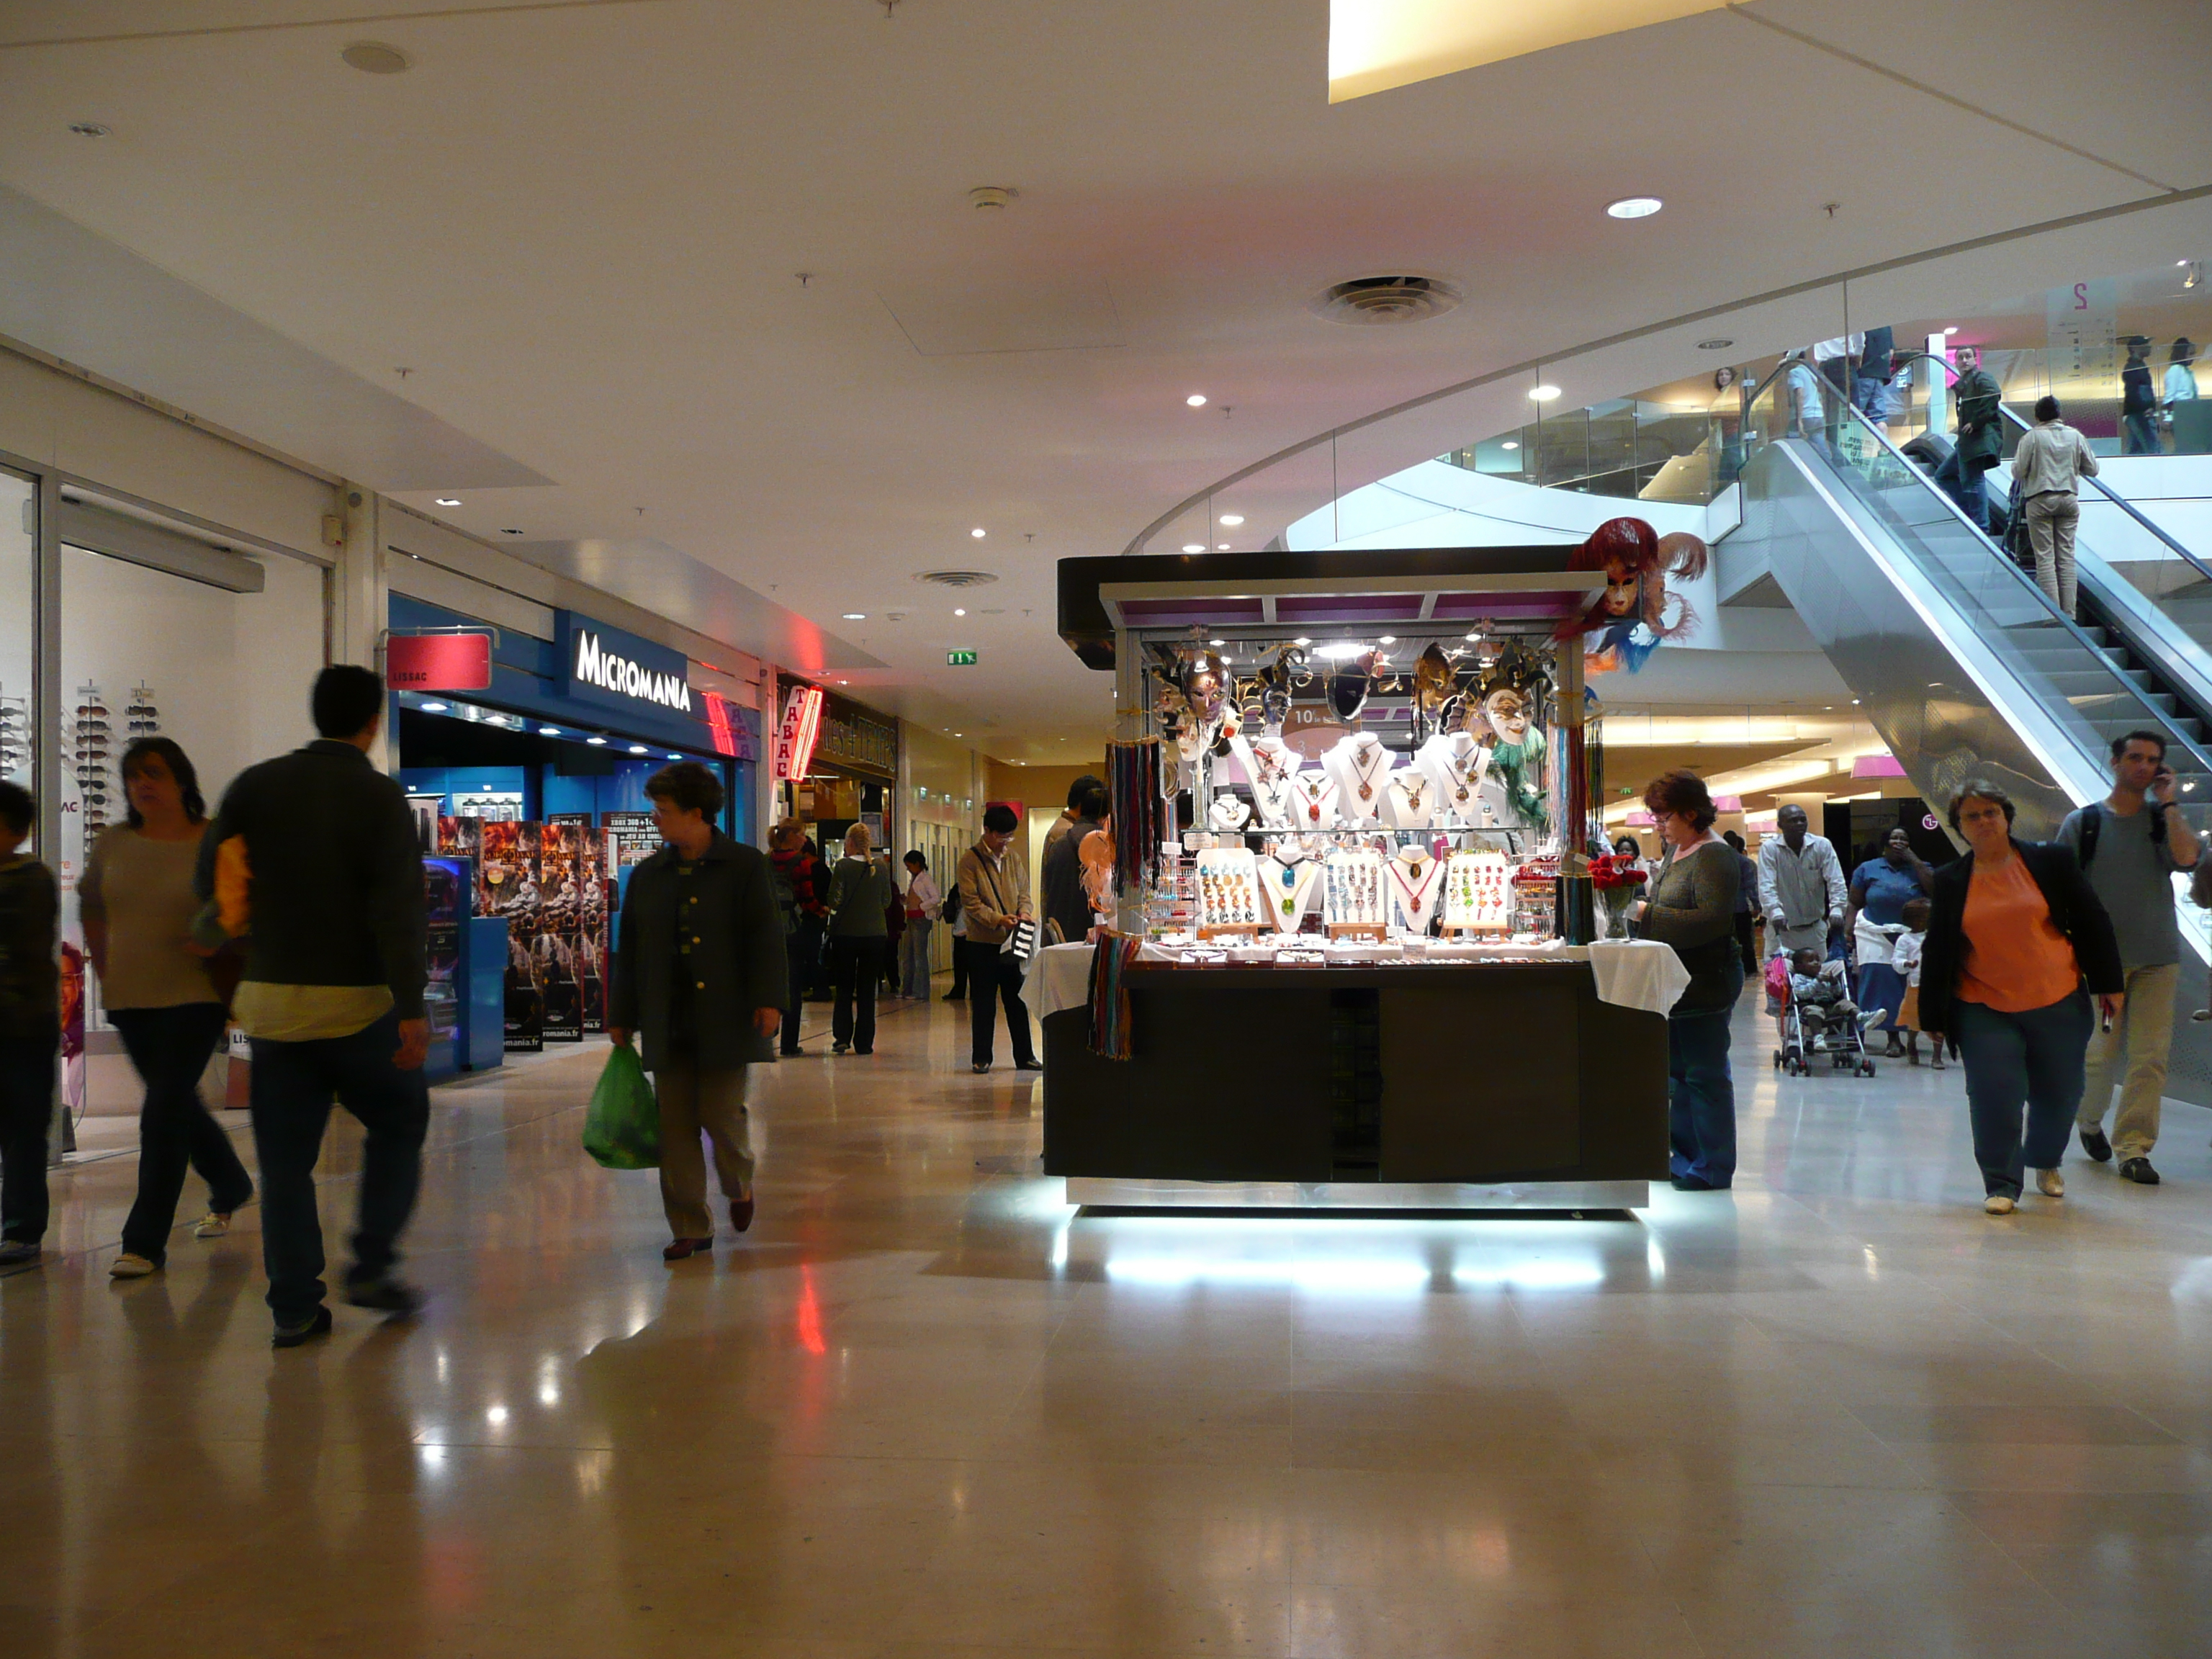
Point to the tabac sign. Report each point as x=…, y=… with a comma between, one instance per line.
x=605, y=664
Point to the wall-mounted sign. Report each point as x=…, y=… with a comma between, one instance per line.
x=960, y=658
x=794, y=736
x=606, y=665
x=438, y=662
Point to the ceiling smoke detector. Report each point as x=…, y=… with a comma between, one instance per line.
x=957, y=578
x=992, y=196
x=375, y=58
x=1387, y=300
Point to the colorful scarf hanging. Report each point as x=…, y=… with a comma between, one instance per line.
x=1110, y=1034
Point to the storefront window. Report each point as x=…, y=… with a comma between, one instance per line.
x=19, y=545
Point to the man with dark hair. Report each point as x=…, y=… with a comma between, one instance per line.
x=2130, y=856
x=30, y=1028
x=332, y=994
x=1062, y=879
x=1065, y=821
x=699, y=977
x=1981, y=438
x=995, y=895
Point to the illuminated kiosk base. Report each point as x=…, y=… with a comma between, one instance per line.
x=1460, y=1086
x=1102, y=1194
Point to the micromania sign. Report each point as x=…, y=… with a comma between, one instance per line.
x=607, y=665
x=610, y=672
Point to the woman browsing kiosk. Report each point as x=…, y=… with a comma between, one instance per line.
x=2013, y=930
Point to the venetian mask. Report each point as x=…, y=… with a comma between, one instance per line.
x=1508, y=713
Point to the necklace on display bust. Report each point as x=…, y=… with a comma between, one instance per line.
x=1315, y=796
x=1416, y=883
x=1367, y=758
x=1464, y=761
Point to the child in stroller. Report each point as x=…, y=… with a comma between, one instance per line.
x=1826, y=1015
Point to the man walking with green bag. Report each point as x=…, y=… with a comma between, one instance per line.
x=699, y=977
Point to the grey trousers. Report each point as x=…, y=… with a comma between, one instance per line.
x=914, y=958
x=2135, y=1051
x=693, y=1101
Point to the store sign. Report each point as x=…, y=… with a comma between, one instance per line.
x=794, y=737
x=606, y=665
x=438, y=662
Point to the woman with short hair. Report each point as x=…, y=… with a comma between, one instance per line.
x=1693, y=907
x=2013, y=929
x=137, y=903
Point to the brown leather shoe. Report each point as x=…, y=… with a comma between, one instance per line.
x=683, y=1248
x=741, y=1213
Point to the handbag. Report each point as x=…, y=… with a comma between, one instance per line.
x=1021, y=944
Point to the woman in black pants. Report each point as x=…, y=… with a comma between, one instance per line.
x=137, y=902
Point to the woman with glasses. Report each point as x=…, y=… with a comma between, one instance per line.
x=137, y=902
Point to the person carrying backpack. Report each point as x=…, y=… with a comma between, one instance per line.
x=2129, y=855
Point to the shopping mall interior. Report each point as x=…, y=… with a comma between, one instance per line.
x=1479, y=680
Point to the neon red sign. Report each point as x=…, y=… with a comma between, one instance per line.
x=718, y=724
x=794, y=737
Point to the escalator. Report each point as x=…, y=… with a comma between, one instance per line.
x=1958, y=661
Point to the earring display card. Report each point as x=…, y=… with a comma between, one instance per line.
x=1227, y=892
x=1478, y=893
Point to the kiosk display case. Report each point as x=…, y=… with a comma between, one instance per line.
x=1351, y=922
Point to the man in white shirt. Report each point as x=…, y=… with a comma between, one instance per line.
x=1802, y=889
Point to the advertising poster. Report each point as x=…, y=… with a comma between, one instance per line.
x=596, y=940
x=447, y=898
x=461, y=838
x=507, y=886
x=635, y=836
x=559, y=939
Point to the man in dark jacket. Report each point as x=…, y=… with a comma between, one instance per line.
x=699, y=976
x=332, y=994
x=30, y=1028
x=1065, y=901
x=801, y=887
x=1981, y=438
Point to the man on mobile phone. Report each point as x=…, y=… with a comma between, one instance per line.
x=2129, y=844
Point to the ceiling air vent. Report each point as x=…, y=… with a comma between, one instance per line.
x=1387, y=300
x=957, y=578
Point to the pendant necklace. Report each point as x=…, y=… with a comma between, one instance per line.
x=1366, y=775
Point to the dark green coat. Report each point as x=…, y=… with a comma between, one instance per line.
x=1981, y=429
x=737, y=961
x=860, y=891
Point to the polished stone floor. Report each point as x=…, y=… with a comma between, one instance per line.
x=924, y=1409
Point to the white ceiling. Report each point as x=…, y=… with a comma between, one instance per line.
x=581, y=228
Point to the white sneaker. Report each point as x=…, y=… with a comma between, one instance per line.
x=128, y=1266
x=1997, y=1204
x=214, y=1225
x=2050, y=1183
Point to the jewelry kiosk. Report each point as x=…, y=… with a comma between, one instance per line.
x=1354, y=991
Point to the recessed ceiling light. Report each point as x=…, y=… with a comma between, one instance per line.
x=375, y=58
x=1953, y=329
x=1387, y=639
x=977, y=533
x=596, y=743
x=844, y=682
x=1196, y=400
x=1194, y=547
x=1232, y=520
x=1510, y=443
x=434, y=707
x=1717, y=343
x=958, y=611
x=1544, y=393
x=94, y=129
x=856, y=616
x=449, y=501
x=1221, y=547
x=637, y=749
x=672, y=755
x=1302, y=641
x=1633, y=207
x=1217, y=642
x=548, y=731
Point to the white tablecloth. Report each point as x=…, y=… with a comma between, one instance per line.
x=1638, y=973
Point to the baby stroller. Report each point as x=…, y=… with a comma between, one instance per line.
x=1839, y=1039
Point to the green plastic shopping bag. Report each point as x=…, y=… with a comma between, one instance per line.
x=622, y=1130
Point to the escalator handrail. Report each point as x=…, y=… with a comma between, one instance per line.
x=2175, y=739
x=2098, y=484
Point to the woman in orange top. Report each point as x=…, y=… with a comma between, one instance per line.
x=2013, y=930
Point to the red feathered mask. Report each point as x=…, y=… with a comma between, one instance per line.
x=1637, y=561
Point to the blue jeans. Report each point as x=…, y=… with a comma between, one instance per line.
x=1701, y=1100
x=1870, y=398
x=2143, y=436
x=27, y=1106
x=1965, y=486
x=2036, y=1057
x=293, y=1086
